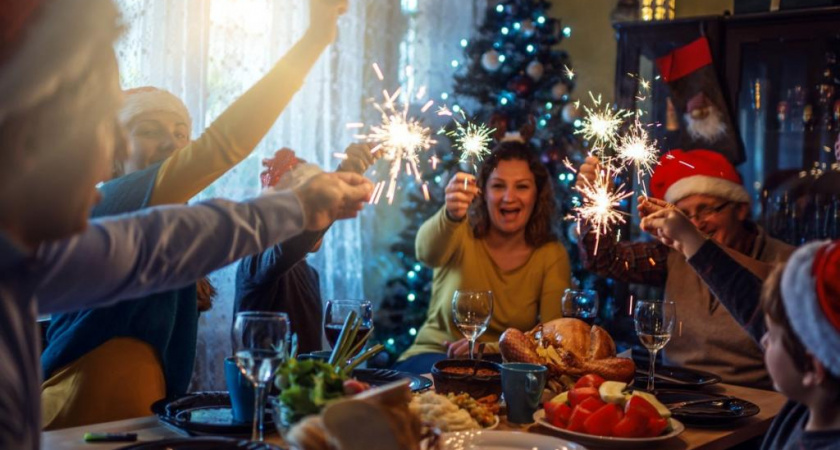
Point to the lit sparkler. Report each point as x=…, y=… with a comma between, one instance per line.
x=400, y=137
x=601, y=124
x=472, y=139
x=637, y=149
x=600, y=203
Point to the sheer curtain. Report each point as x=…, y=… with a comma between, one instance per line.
x=208, y=52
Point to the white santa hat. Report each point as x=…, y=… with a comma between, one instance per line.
x=811, y=297
x=681, y=174
x=47, y=44
x=148, y=99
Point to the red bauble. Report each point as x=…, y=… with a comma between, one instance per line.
x=520, y=85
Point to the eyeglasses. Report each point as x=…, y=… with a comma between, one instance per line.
x=704, y=213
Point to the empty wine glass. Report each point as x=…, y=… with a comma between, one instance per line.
x=654, y=321
x=259, y=346
x=471, y=312
x=336, y=313
x=581, y=304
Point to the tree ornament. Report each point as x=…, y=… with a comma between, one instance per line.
x=521, y=85
x=535, y=70
x=490, y=61
x=559, y=90
x=527, y=28
x=570, y=113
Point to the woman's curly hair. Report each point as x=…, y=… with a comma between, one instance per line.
x=538, y=231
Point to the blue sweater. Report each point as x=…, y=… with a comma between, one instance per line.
x=167, y=321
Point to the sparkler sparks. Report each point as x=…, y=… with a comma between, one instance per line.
x=472, y=139
x=600, y=203
x=399, y=136
x=569, y=72
x=601, y=124
x=637, y=149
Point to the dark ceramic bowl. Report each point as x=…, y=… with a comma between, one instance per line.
x=456, y=376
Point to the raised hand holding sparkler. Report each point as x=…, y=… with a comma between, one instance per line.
x=460, y=193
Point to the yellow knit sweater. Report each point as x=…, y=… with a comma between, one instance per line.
x=522, y=297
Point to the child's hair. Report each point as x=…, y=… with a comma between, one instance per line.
x=774, y=309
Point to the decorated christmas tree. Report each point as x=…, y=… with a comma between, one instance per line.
x=514, y=75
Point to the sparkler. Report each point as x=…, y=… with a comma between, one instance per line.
x=637, y=149
x=601, y=124
x=472, y=139
x=399, y=136
x=600, y=203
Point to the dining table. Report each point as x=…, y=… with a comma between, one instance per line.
x=693, y=438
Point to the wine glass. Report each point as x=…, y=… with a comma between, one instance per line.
x=654, y=320
x=471, y=312
x=336, y=313
x=581, y=304
x=259, y=346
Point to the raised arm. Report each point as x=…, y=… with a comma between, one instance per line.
x=238, y=130
x=168, y=247
x=439, y=237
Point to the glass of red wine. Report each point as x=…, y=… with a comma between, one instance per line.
x=336, y=313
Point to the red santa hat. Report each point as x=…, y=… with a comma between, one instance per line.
x=45, y=44
x=148, y=99
x=811, y=297
x=682, y=173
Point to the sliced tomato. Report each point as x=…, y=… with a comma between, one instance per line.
x=655, y=427
x=552, y=414
x=642, y=407
x=579, y=416
x=602, y=421
x=631, y=426
x=590, y=380
x=564, y=413
x=592, y=403
x=576, y=396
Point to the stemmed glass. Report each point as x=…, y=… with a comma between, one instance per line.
x=336, y=313
x=654, y=320
x=259, y=346
x=581, y=304
x=471, y=312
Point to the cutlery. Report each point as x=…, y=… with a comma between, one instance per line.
x=673, y=406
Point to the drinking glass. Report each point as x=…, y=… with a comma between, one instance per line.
x=654, y=321
x=581, y=304
x=259, y=346
x=471, y=312
x=336, y=313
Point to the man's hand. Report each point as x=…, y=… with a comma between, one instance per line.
x=328, y=197
x=323, y=18
x=670, y=226
x=359, y=158
x=460, y=192
x=587, y=172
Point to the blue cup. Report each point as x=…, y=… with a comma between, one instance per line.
x=522, y=386
x=241, y=392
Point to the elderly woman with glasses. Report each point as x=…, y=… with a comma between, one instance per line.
x=707, y=189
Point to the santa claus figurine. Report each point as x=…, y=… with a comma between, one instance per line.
x=698, y=99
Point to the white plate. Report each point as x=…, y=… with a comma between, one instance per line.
x=504, y=440
x=608, y=441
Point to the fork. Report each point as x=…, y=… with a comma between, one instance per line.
x=678, y=405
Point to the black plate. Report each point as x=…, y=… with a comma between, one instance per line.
x=714, y=413
x=378, y=377
x=675, y=377
x=202, y=443
x=205, y=413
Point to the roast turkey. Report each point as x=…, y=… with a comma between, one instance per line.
x=567, y=347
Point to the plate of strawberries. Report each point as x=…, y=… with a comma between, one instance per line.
x=607, y=413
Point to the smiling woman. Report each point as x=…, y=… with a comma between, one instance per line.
x=505, y=246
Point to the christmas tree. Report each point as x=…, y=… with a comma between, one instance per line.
x=514, y=75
